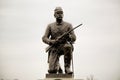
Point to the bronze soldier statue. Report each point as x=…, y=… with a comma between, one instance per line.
x=63, y=46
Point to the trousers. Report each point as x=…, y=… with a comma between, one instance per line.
x=55, y=54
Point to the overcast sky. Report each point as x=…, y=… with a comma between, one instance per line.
x=97, y=48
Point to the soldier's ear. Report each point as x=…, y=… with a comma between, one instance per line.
x=54, y=15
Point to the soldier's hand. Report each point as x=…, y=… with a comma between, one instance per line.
x=52, y=42
x=69, y=37
x=57, y=39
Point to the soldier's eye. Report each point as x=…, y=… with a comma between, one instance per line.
x=60, y=12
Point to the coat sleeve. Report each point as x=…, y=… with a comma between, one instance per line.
x=46, y=36
x=72, y=35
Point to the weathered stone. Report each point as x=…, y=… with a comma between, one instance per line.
x=59, y=79
x=59, y=76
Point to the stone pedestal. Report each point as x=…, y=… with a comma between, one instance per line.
x=59, y=77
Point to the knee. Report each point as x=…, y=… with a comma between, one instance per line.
x=67, y=47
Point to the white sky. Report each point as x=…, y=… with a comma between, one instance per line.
x=23, y=23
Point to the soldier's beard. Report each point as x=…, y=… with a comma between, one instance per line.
x=59, y=20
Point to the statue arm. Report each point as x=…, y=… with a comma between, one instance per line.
x=46, y=36
x=72, y=35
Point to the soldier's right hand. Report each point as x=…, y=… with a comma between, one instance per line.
x=52, y=42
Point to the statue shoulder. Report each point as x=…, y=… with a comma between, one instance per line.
x=51, y=24
x=68, y=24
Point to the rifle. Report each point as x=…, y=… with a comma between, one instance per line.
x=61, y=37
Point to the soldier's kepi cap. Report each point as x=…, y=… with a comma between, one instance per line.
x=58, y=9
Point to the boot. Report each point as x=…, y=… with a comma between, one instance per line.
x=60, y=71
x=67, y=66
x=67, y=71
x=52, y=71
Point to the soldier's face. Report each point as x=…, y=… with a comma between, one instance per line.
x=58, y=14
